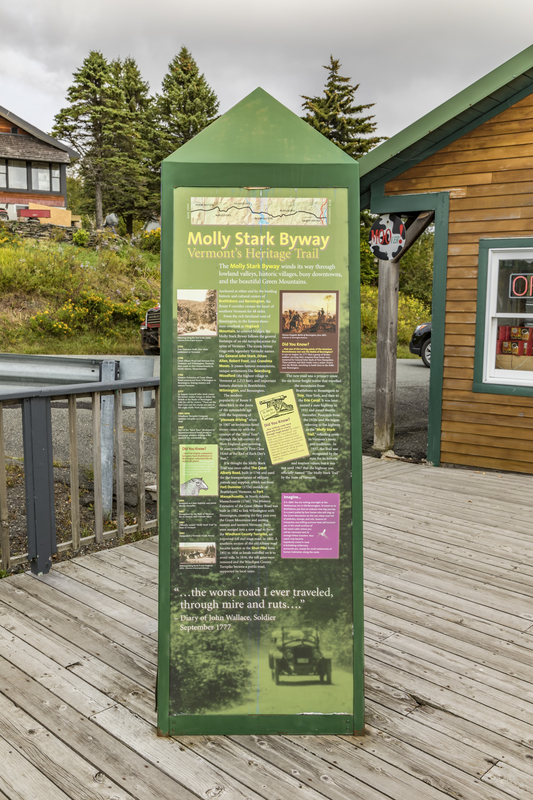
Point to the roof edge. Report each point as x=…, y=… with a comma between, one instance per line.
x=39, y=134
x=474, y=93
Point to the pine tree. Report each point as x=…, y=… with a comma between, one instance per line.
x=337, y=117
x=185, y=107
x=105, y=122
x=131, y=194
x=90, y=122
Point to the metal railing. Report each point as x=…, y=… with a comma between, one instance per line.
x=39, y=466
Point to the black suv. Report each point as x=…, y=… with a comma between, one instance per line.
x=420, y=344
x=297, y=652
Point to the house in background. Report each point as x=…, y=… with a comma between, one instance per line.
x=33, y=171
x=471, y=162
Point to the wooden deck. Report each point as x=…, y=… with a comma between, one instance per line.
x=449, y=631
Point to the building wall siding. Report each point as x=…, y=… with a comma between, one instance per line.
x=489, y=175
x=6, y=125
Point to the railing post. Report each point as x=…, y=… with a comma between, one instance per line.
x=39, y=479
x=108, y=373
x=119, y=437
x=97, y=469
x=4, y=513
x=141, y=482
x=74, y=476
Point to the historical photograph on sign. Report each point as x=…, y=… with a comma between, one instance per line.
x=197, y=312
x=198, y=554
x=198, y=470
x=309, y=331
x=297, y=654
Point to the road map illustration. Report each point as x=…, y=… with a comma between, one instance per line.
x=259, y=211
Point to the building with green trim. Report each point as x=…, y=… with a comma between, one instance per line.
x=471, y=161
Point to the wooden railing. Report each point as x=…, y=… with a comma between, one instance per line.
x=36, y=420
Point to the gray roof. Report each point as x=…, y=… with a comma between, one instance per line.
x=56, y=150
x=13, y=145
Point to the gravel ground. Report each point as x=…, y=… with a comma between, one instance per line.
x=412, y=400
x=17, y=514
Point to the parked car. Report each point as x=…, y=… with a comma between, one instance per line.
x=150, y=331
x=297, y=652
x=420, y=344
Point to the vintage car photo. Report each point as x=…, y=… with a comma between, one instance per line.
x=297, y=652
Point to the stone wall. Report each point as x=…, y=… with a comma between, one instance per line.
x=38, y=230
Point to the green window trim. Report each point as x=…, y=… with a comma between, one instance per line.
x=479, y=385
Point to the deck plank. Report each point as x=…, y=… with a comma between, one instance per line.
x=449, y=665
x=66, y=769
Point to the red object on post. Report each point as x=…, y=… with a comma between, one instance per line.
x=33, y=212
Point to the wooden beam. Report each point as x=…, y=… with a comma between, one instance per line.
x=387, y=337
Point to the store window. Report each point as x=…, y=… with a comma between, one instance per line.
x=508, y=345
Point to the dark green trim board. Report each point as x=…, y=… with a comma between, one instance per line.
x=440, y=203
x=263, y=724
x=485, y=245
x=256, y=144
x=498, y=90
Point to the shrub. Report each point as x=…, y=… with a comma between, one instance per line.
x=81, y=237
x=8, y=237
x=91, y=311
x=151, y=241
x=411, y=312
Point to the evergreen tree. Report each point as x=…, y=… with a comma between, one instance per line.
x=338, y=118
x=185, y=107
x=131, y=194
x=90, y=123
x=105, y=123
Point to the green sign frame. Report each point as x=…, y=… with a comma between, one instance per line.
x=263, y=150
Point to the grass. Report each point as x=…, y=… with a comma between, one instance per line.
x=60, y=299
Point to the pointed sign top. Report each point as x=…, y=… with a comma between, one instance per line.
x=260, y=130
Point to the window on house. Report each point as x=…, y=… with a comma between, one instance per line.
x=56, y=178
x=40, y=176
x=508, y=347
x=45, y=177
x=17, y=174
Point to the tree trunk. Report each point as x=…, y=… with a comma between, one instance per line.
x=98, y=205
x=129, y=224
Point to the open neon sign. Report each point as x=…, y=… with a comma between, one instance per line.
x=520, y=285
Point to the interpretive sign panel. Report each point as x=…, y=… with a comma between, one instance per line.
x=261, y=551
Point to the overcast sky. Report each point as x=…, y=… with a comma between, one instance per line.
x=407, y=57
